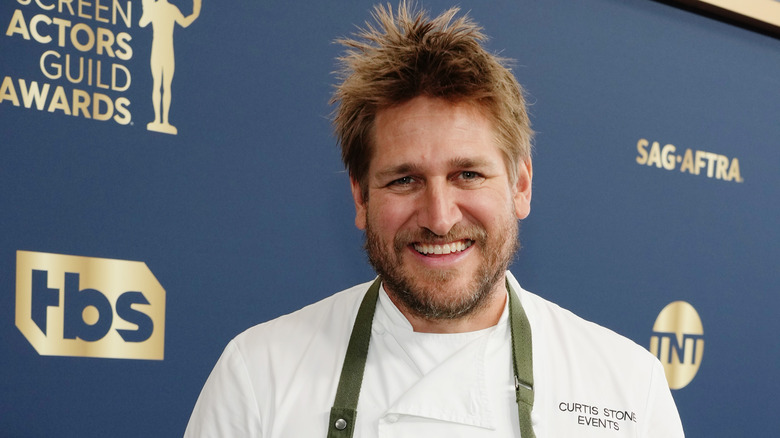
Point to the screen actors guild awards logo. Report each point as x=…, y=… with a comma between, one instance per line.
x=164, y=17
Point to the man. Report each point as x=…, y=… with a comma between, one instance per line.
x=445, y=343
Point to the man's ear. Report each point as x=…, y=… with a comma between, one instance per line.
x=522, y=189
x=360, y=205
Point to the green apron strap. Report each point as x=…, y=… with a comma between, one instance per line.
x=344, y=411
x=522, y=355
x=343, y=414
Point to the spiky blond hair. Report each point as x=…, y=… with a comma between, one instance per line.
x=406, y=54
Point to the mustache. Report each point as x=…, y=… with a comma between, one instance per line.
x=423, y=235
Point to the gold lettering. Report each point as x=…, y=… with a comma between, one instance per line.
x=668, y=157
x=17, y=25
x=722, y=167
x=96, y=113
x=734, y=171
x=700, y=164
x=99, y=8
x=691, y=161
x=687, y=163
x=641, y=146
x=126, y=15
x=123, y=114
x=105, y=39
x=74, y=37
x=710, y=161
x=67, y=69
x=655, y=155
x=33, y=94
x=81, y=103
x=59, y=101
x=8, y=92
x=114, y=77
x=57, y=67
x=82, y=4
x=125, y=52
x=43, y=39
x=99, y=71
x=69, y=4
x=44, y=7
x=61, y=25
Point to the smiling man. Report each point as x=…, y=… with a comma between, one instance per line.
x=440, y=212
x=444, y=342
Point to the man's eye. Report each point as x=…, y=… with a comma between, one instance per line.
x=469, y=178
x=470, y=175
x=406, y=180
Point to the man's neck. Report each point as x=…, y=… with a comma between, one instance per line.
x=484, y=317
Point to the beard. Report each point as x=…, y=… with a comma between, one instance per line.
x=432, y=294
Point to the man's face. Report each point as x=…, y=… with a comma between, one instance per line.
x=441, y=212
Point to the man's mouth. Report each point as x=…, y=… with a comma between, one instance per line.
x=442, y=249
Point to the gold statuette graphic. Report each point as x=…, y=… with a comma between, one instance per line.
x=92, y=307
x=678, y=342
x=164, y=17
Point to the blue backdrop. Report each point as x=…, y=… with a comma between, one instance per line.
x=245, y=214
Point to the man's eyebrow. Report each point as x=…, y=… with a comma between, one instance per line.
x=401, y=169
x=466, y=163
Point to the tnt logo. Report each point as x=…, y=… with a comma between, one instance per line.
x=82, y=306
x=678, y=342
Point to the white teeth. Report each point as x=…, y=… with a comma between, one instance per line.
x=447, y=248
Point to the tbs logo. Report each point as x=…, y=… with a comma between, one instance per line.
x=81, y=306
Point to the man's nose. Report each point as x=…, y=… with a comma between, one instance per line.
x=439, y=211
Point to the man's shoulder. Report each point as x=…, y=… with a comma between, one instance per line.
x=329, y=317
x=553, y=323
x=291, y=361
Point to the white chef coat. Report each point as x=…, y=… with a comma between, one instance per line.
x=279, y=379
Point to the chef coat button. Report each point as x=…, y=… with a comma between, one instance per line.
x=340, y=424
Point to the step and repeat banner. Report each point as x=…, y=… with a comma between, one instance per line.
x=168, y=178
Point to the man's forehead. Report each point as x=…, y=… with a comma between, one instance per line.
x=408, y=109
